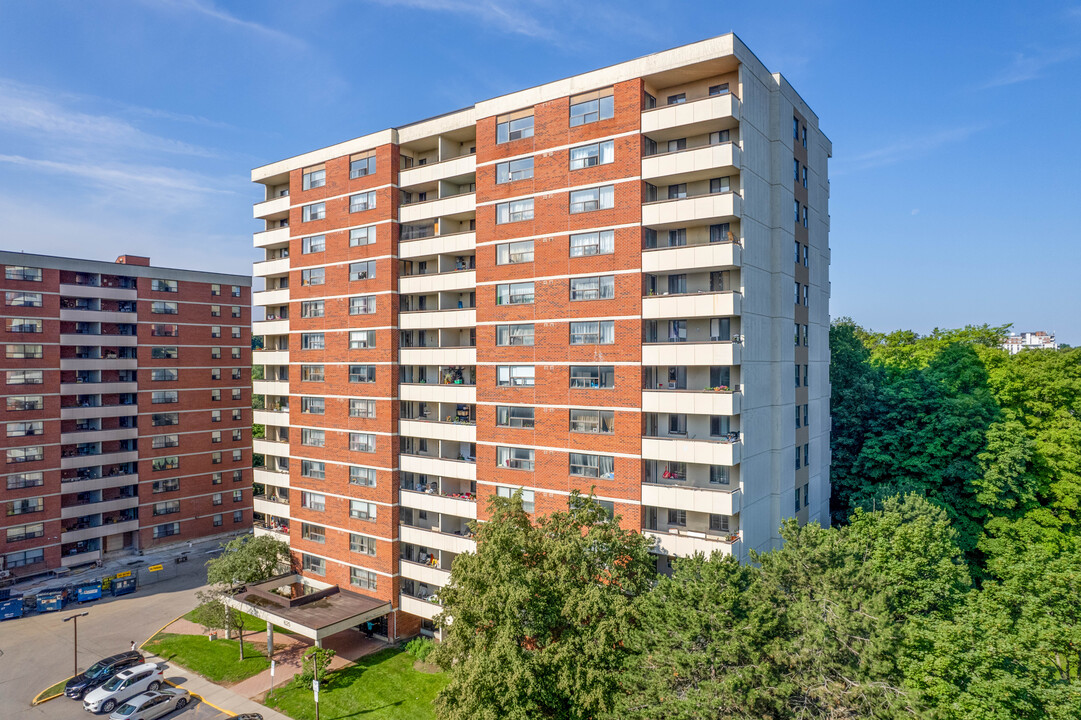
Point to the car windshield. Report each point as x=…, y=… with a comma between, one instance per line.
x=125, y=709
x=113, y=683
x=96, y=669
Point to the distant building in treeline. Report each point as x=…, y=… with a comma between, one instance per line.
x=1038, y=340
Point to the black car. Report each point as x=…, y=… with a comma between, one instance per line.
x=99, y=672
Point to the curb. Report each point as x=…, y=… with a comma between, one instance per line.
x=167, y=682
x=158, y=631
x=38, y=699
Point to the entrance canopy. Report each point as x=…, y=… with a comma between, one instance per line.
x=324, y=612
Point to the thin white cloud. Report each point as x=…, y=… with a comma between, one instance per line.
x=512, y=17
x=902, y=149
x=208, y=9
x=135, y=179
x=1024, y=67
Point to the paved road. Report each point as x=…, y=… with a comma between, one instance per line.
x=36, y=651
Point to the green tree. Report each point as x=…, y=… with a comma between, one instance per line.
x=314, y=665
x=541, y=613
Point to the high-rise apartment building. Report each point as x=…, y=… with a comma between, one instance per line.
x=615, y=282
x=127, y=408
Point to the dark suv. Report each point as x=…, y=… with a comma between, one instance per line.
x=99, y=672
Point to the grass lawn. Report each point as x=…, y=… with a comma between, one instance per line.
x=54, y=690
x=383, y=686
x=251, y=623
x=217, y=660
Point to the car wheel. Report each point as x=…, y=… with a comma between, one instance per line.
x=181, y=703
x=153, y=686
x=83, y=693
x=108, y=706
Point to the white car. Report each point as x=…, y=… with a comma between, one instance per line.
x=151, y=705
x=122, y=686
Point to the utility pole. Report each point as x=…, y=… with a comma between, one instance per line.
x=75, y=650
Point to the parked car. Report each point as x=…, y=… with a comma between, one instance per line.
x=99, y=672
x=125, y=684
x=249, y=716
x=151, y=705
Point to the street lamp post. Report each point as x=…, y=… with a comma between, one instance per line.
x=75, y=651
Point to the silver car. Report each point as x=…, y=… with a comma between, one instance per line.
x=152, y=705
x=123, y=685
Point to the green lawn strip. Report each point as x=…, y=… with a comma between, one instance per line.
x=383, y=686
x=57, y=689
x=216, y=660
x=251, y=623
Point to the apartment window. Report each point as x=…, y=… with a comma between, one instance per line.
x=677, y=99
x=797, y=333
x=804, y=176
x=215, y=353
x=164, y=396
x=215, y=478
x=515, y=252
x=234, y=353
x=806, y=454
x=25, y=532
x=314, y=533
x=718, y=475
x=215, y=331
x=527, y=496
x=18, y=272
x=362, y=201
x=25, y=377
x=796, y=206
x=586, y=110
x=311, y=373
x=798, y=416
x=362, y=270
x=215, y=458
x=805, y=343
x=677, y=517
x=805, y=296
x=515, y=375
x=803, y=133
x=313, y=244
x=601, y=332
x=360, y=167
x=593, y=243
x=21, y=481
x=166, y=530
x=313, y=469
x=592, y=376
x=797, y=460
x=677, y=192
x=362, y=236
x=215, y=311
x=314, y=178
x=509, y=416
x=363, y=305
x=315, y=211
x=165, y=463
x=721, y=89
x=25, y=352
x=362, y=373
x=16, y=403
x=363, y=476
x=25, y=429
x=167, y=441
x=795, y=169
x=234, y=291
x=361, y=544
x=795, y=128
x=797, y=492
x=235, y=311
x=25, y=558
x=361, y=339
x=312, y=405
x=602, y=287
x=513, y=170
x=312, y=309
x=805, y=415
x=797, y=375
x=237, y=435
x=160, y=419
x=720, y=185
x=217, y=521
x=359, y=510
x=797, y=251
x=601, y=153
x=516, y=458
x=313, y=501
x=592, y=421
x=236, y=414
x=26, y=506
x=600, y=198
x=514, y=335
x=162, y=330
x=806, y=256
x=23, y=299
x=362, y=442
x=313, y=438
x=361, y=408
x=797, y=293
x=514, y=294
x=312, y=341
x=314, y=565
x=163, y=285
x=804, y=216
x=24, y=325
x=514, y=129
x=215, y=395
x=598, y=466
x=514, y=211
x=313, y=276
x=167, y=508
x=215, y=290
x=806, y=377
x=363, y=579
x=677, y=145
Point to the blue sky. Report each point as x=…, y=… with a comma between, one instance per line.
x=132, y=125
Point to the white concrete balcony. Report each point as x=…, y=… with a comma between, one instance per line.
x=438, y=356
x=270, y=327
x=98, y=340
x=98, y=364
x=694, y=164
x=110, y=316
x=703, y=353
x=270, y=447
x=270, y=478
x=89, y=291
x=80, y=558
x=277, y=418
x=433, y=320
x=432, y=392
x=270, y=297
x=704, y=452
x=103, y=530
x=258, y=530
x=424, y=573
x=720, y=255
x=78, y=461
x=108, y=411
x=101, y=388
x=438, y=466
x=695, y=117
x=102, y=483
x=436, y=540
x=717, y=502
x=431, y=172
x=704, y=304
x=462, y=432
x=688, y=542
x=691, y=402
x=271, y=238
x=269, y=357
x=75, y=511
x=266, y=268
x=269, y=387
x=439, y=504
x=261, y=504
x=420, y=608
x=431, y=209
x=269, y=208
x=70, y=438
x=459, y=280
x=464, y=243
x=696, y=210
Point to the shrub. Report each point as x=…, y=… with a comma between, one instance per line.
x=420, y=648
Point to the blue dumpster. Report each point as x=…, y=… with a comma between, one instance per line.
x=11, y=608
x=85, y=592
x=54, y=599
x=123, y=586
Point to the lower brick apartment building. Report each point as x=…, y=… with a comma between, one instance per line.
x=617, y=281
x=127, y=408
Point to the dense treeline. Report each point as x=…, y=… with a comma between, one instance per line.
x=948, y=588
